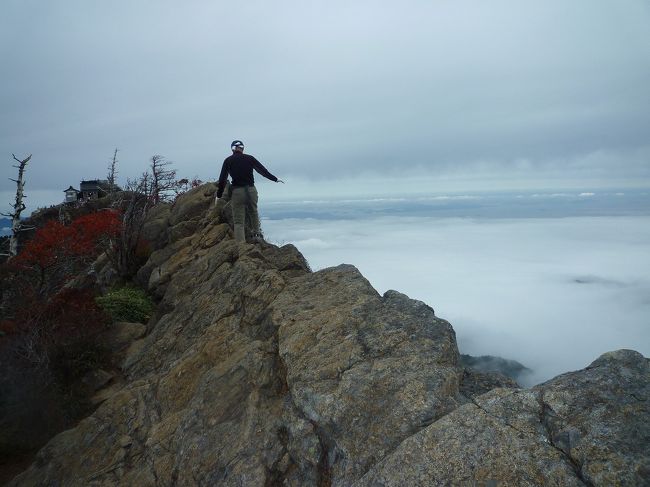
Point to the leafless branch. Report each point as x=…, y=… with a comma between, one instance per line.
x=19, y=206
x=163, y=180
x=24, y=161
x=112, y=171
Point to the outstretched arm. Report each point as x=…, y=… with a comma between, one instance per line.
x=257, y=165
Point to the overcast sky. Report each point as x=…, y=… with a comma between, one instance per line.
x=507, y=93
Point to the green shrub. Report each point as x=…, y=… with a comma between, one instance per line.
x=127, y=304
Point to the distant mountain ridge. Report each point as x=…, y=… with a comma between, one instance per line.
x=489, y=363
x=478, y=205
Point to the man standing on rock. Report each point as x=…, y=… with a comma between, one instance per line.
x=244, y=195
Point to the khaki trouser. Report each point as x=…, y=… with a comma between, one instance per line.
x=244, y=204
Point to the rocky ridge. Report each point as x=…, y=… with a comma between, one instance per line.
x=257, y=371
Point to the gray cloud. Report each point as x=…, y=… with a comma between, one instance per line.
x=329, y=89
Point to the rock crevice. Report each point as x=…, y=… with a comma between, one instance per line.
x=546, y=415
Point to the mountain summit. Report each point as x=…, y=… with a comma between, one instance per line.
x=256, y=371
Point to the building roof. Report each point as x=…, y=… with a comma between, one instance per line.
x=94, y=181
x=71, y=189
x=93, y=185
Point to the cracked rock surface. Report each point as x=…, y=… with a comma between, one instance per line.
x=256, y=371
x=589, y=427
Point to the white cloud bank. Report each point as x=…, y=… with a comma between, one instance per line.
x=551, y=293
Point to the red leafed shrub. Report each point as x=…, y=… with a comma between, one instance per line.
x=82, y=237
x=49, y=243
x=50, y=259
x=50, y=328
x=57, y=252
x=95, y=229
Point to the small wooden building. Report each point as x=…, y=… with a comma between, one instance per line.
x=71, y=195
x=88, y=190
x=93, y=189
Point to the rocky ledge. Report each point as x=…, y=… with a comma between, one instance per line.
x=258, y=372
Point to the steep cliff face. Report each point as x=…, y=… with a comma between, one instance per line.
x=257, y=371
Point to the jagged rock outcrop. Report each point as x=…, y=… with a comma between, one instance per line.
x=169, y=222
x=582, y=428
x=257, y=371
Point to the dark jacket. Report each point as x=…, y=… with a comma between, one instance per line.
x=240, y=167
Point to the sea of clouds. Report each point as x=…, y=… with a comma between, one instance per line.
x=552, y=292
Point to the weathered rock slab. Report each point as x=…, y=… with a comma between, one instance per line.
x=590, y=427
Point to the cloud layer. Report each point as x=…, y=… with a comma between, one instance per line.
x=551, y=293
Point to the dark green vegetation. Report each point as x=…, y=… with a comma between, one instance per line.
x=127, y=304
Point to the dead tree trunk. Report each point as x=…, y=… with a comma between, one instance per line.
x=135, y=210
x=112, y=172
x=18, y=206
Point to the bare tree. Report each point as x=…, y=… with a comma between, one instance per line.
x=163, y=179
x=136, y=202
x=16, y=224
x=112, y=172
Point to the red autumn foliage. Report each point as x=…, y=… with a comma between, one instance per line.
x=59, y=252
x=56, y=242
x=35, y=281
x=51, y=327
